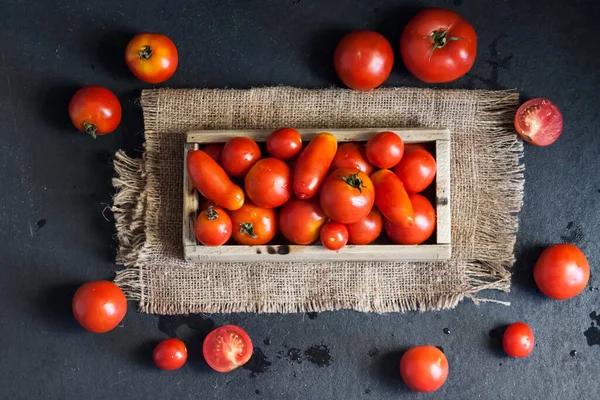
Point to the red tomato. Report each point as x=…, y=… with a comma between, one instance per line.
x=518, y=340
x=300, y=221
x=227, y=348
x=363, y=60
x=352, y=155
x=312, y=165
x=213, y=227
x=416, y=170
x=212, y=182
x=170, y=354
x=214, y=151
x=539, y=122
x=385, y=149
x=253, y=225
x=95, y=110
x=334, y=235
x=99, y=306
x=367, y=229
x=268, y=183
x=424, y=368
x=347, y=196
x=424, y=223
x=239, y=155
x=562, y=271
x=391, y=198
x=151, y=57
x=438, y=45
x=284, y=143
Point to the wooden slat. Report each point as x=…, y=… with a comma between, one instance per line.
x=442, y=182
x=190, y=202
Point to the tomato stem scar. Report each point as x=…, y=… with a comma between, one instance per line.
x=212, y=214
x=145, y=53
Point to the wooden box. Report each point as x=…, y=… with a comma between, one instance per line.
x=437, y=139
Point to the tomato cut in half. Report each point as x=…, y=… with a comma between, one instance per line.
x=539, y=122
x=227, y=348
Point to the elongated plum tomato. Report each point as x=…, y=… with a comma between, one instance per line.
x=367, y=229
x=95, y=110
x=392, y=199
x=239, y=155
x=539, y=122
x=313, y=164
x=518, y=340
x=212, y=181
x=269, y=183
x=363, y=60
x=151, y=57
x=334, y=235
x=416, y=170
x=347, y=196
x=227, y=348
x=253, y=225
x=423, y=227
x=562, y=271
x=213, y=226
x=424, y=368
x=170, y=354
x=352, y=155
x=300, y=221
x=284, y=143
x=99, y=306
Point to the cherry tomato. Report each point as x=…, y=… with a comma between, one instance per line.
x=424, y=223
x=213, y=227
x=562, y=271
x=214, y=151
x=391, y=198
x=518, y=340
x=424, y=368
x=539, y=122
x=95, y=110
x=151, y=57
x=239, y=155
x=352, y=155
x=416, y=170
x=300, y=221
x=347, y=196
x=385, y=149
x=268, y=183
x=312, y=165
x=334, y=235
x=438, y=45
x=212, y=182
x=227, y=348
x=99, y=306
x=367, y=229
x=284, y=143
x=363, y=60
x=253, y=224
x=170, y=354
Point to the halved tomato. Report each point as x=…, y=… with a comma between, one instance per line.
x=227, y=348
x=539, y=122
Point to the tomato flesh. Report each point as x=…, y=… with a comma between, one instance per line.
x=518, y=340
x=227, y=348
x=539, y=122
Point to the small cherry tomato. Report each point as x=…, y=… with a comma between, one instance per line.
x=99, y=306
x=424, y=223
x=424, y=368
x=170, y=354
x=352, y=155
x=95, y=110
x=334, y=235
x=214, y=151
x=239, y=155
x=313, y=164
x=391, y=198
x=416, y=170
x=151, y=57
x=367, y=229
x=227, y=348
x=539, y=122
x=268, y=183
x=385, y=149
x=212, y=182
x=284, y=143
x=253, y=225
x=213, y=227
x=518, y=340
x=562, y=271
x=300, y=221
x=347, y=195
x=363, y=60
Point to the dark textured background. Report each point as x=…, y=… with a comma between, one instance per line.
x=55, y=184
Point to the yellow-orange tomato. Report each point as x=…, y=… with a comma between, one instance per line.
x=313, y=164
x=151, y=57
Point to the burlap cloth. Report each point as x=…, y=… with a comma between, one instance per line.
x=487, y=192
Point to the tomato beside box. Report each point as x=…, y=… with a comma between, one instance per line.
x=440, y=249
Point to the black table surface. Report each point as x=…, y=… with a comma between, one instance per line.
x=56, y=232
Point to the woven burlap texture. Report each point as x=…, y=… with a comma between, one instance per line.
x=486, y=189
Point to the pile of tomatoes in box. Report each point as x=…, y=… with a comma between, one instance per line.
x=338, y=194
